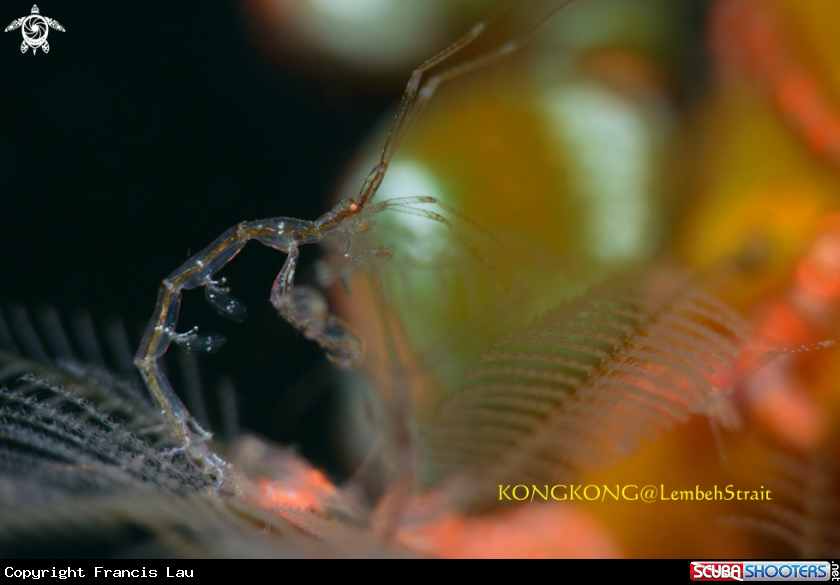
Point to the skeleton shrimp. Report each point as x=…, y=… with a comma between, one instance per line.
x=305, y=308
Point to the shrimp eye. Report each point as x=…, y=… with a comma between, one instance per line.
x=354, y=207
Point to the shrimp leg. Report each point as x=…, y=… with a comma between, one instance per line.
x=284, y=234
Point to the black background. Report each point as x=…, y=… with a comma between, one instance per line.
x=148, y=130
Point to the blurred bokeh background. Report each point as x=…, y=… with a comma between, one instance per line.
x=627, y=132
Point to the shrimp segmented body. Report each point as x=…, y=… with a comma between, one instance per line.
x=305, y=308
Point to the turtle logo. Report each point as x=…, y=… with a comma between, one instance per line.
x=35, y=29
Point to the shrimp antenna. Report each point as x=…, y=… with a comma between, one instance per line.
x=417, y=96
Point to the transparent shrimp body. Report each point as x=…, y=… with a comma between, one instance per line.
x=304, y=308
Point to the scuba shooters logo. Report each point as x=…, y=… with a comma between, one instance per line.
x=763, y=571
